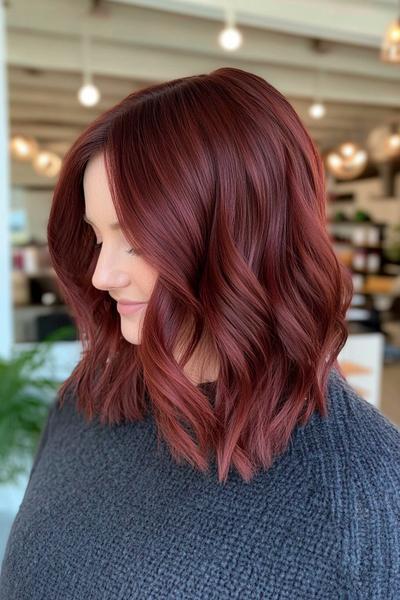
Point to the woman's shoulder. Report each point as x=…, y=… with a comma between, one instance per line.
x=355, y=445
x=57, y=411
x=353, y=430
x=352, y=457
x=362, y=428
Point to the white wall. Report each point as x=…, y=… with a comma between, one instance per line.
x=36, y=205
x=5, y=250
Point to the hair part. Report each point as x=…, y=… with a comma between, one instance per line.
x=224, y=190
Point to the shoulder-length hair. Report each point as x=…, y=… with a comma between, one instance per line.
x=216, y=179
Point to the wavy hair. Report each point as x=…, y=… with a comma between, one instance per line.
x=216, y=179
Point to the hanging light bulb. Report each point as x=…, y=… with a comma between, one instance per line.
x=394, y=137
x=390, y=49
x=23, y=148
x=317, y=110
x=88, y=93
x=230, y=37
x=392, y=142
x=47, y=163
x=348, y=149
x=347, y=162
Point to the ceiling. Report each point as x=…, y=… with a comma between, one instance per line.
x=136, y=43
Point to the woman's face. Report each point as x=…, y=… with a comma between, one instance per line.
x=126, y=276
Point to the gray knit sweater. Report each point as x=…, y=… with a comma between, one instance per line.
x=107, y=515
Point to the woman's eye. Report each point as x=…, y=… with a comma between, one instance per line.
x=131, y=251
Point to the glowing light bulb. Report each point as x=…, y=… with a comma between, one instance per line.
x=23, y=148
x=47, y=163
x=88, y=95
x=390, y=48
x=347, y=149
x=230, y=38
x=348, y=162
x=317, y=110
x=394, y=140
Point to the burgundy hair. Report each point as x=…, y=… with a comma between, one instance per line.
x=216, y=179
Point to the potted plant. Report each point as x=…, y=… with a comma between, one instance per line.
x=25, y=397
x=392, y=246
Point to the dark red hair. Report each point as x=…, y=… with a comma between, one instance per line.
x=216, y=179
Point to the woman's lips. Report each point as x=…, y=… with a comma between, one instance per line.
x=131, y=308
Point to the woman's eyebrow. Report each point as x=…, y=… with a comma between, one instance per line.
x=115, y=225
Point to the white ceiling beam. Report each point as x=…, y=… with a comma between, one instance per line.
x=54, y=89
x=137, y=28
x=36, y=79
x=46, y=132
x=46, y=114
x=349, y=21
x=153, y=64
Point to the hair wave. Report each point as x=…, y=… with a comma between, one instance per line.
x=224, y=190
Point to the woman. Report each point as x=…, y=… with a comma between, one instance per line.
x=207, y=444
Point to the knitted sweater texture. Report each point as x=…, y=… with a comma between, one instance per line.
x=107, y=515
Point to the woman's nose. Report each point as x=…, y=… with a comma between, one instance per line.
x=107, y=275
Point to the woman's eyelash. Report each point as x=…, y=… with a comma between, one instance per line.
x=130, y=251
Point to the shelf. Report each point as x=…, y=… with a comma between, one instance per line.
x=45, y=272
x=361, y=223
x=38, y=307
x=362, y=246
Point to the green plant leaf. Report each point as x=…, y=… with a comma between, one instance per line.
x=25, y=398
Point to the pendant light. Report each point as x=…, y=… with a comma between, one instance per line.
x=88, y=93
x=47, y=163
x=393, y=141
x=230, y=37
x=317, y=109
x=390, y=49
x=23, y=148
x=347, y=161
